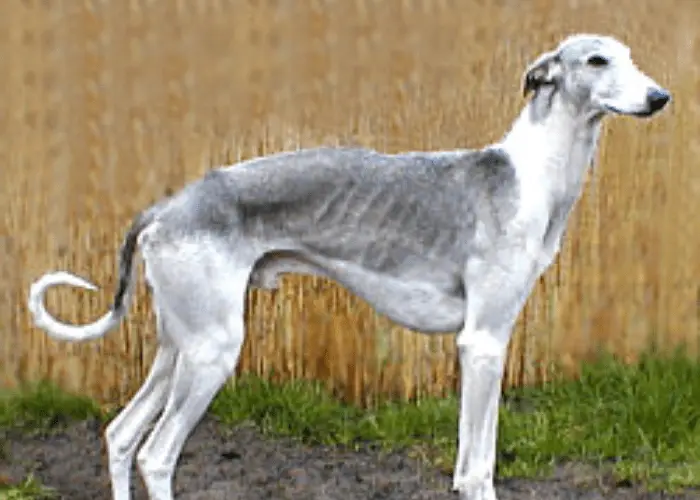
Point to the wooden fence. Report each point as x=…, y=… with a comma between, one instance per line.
x=107, y=106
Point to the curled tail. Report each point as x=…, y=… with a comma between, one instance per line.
x=64, y=331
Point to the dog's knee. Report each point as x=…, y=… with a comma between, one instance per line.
x=482, y=346
x=217, y=359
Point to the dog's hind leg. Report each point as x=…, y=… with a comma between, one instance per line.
x=204, y=304
x=126, y=430
x=194, y=386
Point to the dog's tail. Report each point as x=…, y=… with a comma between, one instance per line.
x=64, y=331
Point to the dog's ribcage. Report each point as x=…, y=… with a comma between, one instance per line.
x=395, y=229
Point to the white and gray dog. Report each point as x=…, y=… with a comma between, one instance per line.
x=448, y=241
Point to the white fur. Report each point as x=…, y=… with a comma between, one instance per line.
x=62, y=331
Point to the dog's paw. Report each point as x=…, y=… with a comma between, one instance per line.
x=473, y=489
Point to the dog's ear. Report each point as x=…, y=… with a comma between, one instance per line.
x=544, y=70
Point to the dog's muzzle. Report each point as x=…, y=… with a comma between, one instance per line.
x=657, y=98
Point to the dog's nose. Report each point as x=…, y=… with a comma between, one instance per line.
x=657, y=99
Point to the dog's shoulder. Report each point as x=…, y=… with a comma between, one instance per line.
x=490, y=168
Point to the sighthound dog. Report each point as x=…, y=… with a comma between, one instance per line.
x=448, y=241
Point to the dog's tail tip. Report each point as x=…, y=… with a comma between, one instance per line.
x=65, y=278
x=49, y=280
x=55, y=328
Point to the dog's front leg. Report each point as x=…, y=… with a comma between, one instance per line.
x=496, y=292
x=482, y=357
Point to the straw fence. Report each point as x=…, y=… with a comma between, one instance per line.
x=107, y=106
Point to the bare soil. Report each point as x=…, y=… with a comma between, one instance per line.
x=241, y=464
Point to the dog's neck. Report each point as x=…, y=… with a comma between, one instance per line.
x=552, y=144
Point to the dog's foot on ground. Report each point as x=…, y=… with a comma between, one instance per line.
x=471, y=489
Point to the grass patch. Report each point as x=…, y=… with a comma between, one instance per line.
x=305, y=410
x=39, y=407
x=640, y=423
x=42, y=407
x=29, y=489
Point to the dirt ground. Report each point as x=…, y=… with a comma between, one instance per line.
x=242, y=465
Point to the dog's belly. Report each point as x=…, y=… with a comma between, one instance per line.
x=418, y=305
x=429, y=304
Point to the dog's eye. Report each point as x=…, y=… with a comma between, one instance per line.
x=597, y=61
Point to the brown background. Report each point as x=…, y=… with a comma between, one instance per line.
x=107, y=106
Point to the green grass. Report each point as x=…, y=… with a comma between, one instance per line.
x=638, y=424
x=29, y=489
x=642, y=422
x=41, y=407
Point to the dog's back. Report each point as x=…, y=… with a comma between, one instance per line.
x=351, y=204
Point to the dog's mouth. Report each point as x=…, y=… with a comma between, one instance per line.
x=639, y=114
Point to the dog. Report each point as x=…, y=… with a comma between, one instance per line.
x=444, y=241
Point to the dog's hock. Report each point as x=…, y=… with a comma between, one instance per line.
x=544, y=70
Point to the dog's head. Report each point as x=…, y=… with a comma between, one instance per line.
x=596, y=73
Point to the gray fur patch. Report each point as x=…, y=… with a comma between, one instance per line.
x=382, y=212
